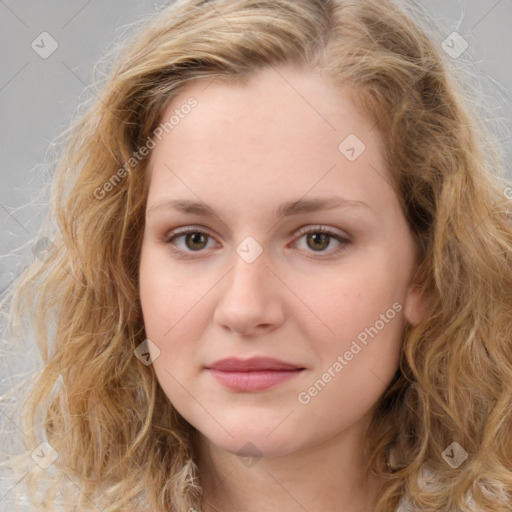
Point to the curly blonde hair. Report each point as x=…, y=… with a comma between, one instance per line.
x=121, y=445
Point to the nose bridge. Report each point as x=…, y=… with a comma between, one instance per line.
x=247, y=298
x=249, y=272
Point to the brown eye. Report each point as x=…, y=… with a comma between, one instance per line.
x=190, y=240
x=319, y=238
x=318, y=241
x=195, y=241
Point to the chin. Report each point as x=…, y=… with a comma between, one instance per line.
x=249, y=432
x=253, y=442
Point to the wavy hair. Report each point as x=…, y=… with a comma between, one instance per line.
x=121, y=445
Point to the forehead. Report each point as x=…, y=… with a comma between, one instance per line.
x=284, y=131
x=286, y=103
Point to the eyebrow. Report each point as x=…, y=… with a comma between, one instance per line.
x=286, y=209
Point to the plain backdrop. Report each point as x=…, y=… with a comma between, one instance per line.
x=38, y=94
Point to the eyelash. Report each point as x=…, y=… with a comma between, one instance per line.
x=344, y=241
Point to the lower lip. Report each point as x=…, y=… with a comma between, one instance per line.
x=255, y=380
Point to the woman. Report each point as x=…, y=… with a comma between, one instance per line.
x=279, y=275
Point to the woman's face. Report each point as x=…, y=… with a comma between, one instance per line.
x=277, y=161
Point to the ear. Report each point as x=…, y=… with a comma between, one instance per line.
x=415, y=309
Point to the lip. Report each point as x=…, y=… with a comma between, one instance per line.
x=235, y=364
x=254, y=374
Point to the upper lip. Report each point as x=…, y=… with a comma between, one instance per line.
x=233, y=364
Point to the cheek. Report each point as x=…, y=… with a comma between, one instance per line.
x=357, y=345
x=353, y=300
x=167, y=304
x=168, y=295
x=167, y=315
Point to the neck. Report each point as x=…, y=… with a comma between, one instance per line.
x=329, y=476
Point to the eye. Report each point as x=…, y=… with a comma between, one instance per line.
x=193, y=238
x=318, y=238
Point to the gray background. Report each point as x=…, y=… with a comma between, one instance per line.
x=38, y=97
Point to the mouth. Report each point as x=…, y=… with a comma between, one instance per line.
x=255, y=374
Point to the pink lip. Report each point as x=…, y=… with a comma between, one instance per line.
x=234, y=364
x=254, y=374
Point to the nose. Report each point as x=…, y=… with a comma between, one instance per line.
x=250, y=299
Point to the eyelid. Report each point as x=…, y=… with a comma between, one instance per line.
x=320, y=228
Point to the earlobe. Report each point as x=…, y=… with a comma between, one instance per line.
x=415, y=309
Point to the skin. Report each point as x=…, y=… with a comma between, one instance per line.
x=244, y=150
